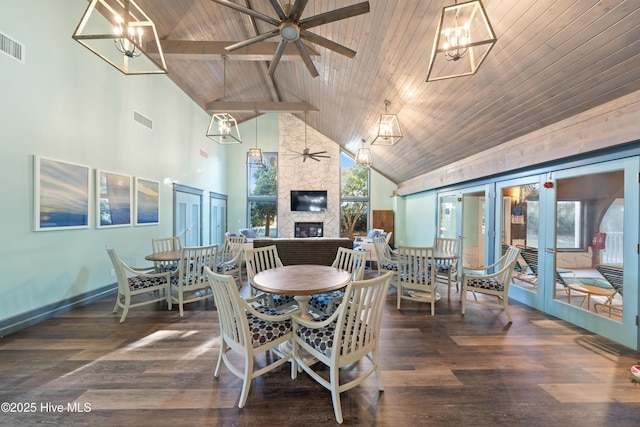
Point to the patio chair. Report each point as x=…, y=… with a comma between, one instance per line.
x=613, y=275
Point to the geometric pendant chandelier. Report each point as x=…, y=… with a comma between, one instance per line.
x=388, y=130
x=363, y=156
x=116, y=31
x=463, y=39
x=223, y=127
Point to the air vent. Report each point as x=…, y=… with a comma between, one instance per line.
x=144, y=121
x=11, y=47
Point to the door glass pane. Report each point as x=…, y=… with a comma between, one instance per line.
x=473, y=229
x=519, y=228
x=588, y=253
x=447, y=215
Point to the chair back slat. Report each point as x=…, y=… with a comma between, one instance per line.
x=352, y=261
x=414, y=271
x=165, y=244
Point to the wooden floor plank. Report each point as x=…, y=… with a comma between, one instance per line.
x=157, y=369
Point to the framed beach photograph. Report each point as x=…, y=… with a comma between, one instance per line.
x=147, y=207
x=114, y=195
x=62, y=193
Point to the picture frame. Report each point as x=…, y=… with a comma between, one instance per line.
x=114, y=197
x=62, y=193
x=147, y=206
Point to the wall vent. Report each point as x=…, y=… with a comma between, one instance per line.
x=144, y=121
x=11, y=47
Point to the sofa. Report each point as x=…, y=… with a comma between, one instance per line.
x=310, y=250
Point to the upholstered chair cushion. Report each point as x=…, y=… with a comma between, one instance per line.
x=491, y=284
x=263, y=331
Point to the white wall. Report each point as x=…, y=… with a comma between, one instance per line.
x=66, y=103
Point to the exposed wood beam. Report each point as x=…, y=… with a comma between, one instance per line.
x=210, y=50
x=280, y=107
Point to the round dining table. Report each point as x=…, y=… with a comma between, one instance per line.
x=301, y=281
x=165, y=256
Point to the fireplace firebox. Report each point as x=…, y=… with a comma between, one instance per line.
x=308, y=229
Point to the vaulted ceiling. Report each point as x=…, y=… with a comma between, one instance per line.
x=553, y=59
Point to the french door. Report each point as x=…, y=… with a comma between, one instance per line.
x=217, y=218
x=570, y=224
x=187, y=214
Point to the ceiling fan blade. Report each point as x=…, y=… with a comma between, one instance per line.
x=311, y=157
x=279, y=10
x=317, y=155
x=258, y=38
x=306, y=59
x=335, y=15
x=276, y=56
x=314, y=38
x=296, y=10
x=304, y=158
x=248, y=11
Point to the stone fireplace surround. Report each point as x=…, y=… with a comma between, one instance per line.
x=294, y=174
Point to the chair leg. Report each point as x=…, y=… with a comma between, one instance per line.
x=246, y=383
x=505, y=304
x=223, y=348
x=463, y=298
x=335, y=393
x=125, y=308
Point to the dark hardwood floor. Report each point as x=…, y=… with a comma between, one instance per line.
x=157, y=369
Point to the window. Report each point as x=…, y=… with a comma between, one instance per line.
x=262, y=197
x=354, y=198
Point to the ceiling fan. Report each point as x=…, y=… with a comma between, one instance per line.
x=306, y=153
x=292, y=29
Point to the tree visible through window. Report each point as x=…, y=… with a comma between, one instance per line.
x=262, y=197
x=354, y=198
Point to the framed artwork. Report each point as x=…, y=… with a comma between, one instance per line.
x=147, y=202
x=114, y=193
x=62, y=192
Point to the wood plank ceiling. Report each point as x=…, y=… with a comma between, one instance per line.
x=553, y=59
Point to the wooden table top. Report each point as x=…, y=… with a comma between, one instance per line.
x=301, y=279
x=164, y=256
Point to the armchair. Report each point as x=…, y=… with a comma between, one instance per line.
x=247, y=331
x=231, y=256
x=387, y=258
x=191, y=283
x=416, y=280
x=349, y=335
x=490, y=280
x=134, y=282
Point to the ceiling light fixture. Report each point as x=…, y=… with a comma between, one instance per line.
x=388, y=130
x=255, y=157
x=463, y=39
x=223, y=127
x=106, y=23
x=363, y=156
